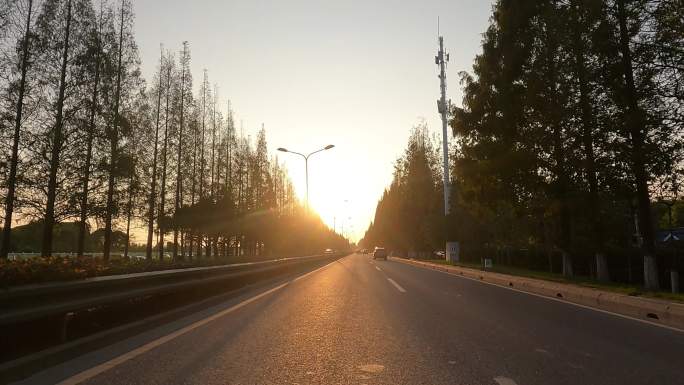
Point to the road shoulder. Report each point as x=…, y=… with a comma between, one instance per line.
x=654, y=311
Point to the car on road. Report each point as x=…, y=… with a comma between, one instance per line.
x=380, y=253
x=329, y=251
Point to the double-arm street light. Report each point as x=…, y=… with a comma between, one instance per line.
x=306, y=164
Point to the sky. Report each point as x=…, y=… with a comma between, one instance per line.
x=357, y=74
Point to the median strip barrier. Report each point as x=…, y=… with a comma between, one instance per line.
x=29, y=302
x=44, y=321
x=50, y=308
x=658, y=311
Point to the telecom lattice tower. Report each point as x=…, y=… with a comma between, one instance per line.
x=442, y=106
x=442, y=58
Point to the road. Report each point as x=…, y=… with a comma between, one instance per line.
x=358, y=321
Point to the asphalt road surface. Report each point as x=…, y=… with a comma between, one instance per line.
x=359, y=321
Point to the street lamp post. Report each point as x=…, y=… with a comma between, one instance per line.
x=306, y=165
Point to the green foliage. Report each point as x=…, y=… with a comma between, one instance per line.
x=570, y=126
x=211, y=185
x=547, y=151
x=409, y=214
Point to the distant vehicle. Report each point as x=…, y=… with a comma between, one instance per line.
x=380, y=253
x=439, y=254
x=363, y=251
x=329, y=251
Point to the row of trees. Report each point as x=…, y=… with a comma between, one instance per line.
x=86, y=139
x=572, y=125
x=410, y=213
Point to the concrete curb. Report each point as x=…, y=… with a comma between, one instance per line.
x=657, y=311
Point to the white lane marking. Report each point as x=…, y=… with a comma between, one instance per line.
x=92, y=372
x=377, y=268
x=96, y=370
x=504, y=381
x=372, y=368
x=542, y=351
x=314, y=271
x=401, y=289
x=553, y=299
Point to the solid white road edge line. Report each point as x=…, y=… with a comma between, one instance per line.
x=401, y=289
x=552, y=299
x=94, y=371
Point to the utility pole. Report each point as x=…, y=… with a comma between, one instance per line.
x=442, y=58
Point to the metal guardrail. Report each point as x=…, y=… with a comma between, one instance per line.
x=114, y=254
x=30, y=302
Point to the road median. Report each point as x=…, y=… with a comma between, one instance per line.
x=658, y=311
x=48, y=322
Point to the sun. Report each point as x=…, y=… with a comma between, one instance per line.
x=329, y=195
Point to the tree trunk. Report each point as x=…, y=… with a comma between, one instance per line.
x=153, y=187
x=49, y=221
x=114, y=138
x=206, y=241
x=567, y=264
x=180, y=152
x=162, y=198
x=220, y=193
x=559, y=157
x=200, y=239
x=588, y=146
x=193, y=185
x=213, y=144
x=129, y=210
x=182, y=244
x=89, y=153
x=12, y=177
x=636, y=125
x=229, y=162
x=202, y=137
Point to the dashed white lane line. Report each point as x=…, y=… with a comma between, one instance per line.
x=94, y=371
x=396, y=285
x=378, y=268
x=504, y=381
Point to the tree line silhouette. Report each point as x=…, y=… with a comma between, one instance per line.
x=86, y=139
x=570, y=134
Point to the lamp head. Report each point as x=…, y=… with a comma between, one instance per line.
x=328, y=147
x=282, y=149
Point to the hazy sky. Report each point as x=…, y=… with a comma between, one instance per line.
x=357, y=74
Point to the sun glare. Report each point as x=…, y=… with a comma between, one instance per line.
x=331, y=195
